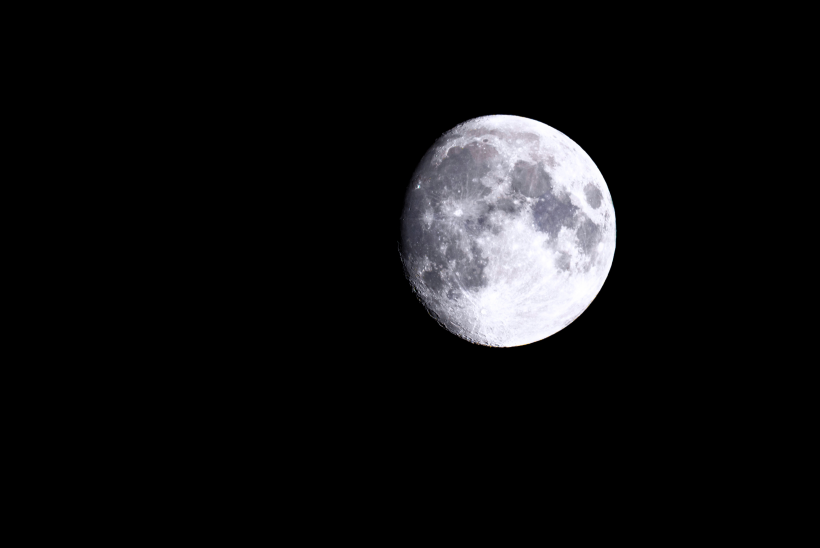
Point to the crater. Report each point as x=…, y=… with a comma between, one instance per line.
x=593, y=195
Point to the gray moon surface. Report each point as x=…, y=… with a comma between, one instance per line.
x=507, y=231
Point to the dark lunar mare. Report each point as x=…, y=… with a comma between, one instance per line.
x=531, y=180
x=588, y=234
x=458, y=175
x=553, y=211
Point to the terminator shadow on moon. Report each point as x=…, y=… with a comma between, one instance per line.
x=507, y=231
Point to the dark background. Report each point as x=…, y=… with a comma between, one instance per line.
x=272, y=310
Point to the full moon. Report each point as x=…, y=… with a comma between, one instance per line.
x=507, y=231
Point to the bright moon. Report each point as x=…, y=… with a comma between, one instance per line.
x=508, y=231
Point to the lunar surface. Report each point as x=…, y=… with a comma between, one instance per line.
x=508, y=231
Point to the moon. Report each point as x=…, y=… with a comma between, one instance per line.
x=507, y=231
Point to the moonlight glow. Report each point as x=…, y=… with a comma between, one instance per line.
x=508, y=231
